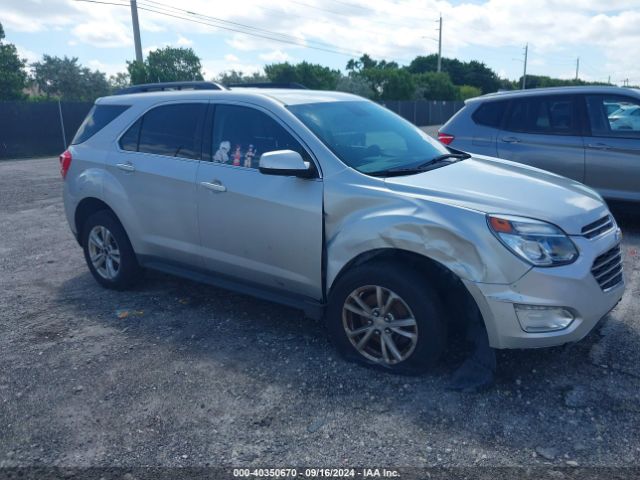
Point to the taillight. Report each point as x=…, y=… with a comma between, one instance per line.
x=445, y=138
x=65, y=163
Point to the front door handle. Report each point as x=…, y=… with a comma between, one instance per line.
x=214, y=186
x=599, y=146
x=127, y=167
x=510, y=139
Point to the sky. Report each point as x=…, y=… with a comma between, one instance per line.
x=603, y=34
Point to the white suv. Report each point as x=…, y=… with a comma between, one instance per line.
x=333, y=204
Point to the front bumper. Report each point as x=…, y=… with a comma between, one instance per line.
x=572, y=287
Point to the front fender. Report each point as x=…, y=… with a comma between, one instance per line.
x=455, y=237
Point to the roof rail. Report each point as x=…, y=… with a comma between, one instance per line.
x=163, y=86
x=293, y=85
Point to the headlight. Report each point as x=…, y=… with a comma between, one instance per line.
x=539, y=243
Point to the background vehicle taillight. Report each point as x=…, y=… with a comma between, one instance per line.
x=65, y=163
x=445, y=138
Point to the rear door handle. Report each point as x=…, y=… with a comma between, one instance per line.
x=598, y=146
x=214, y=186
x=127, y=167
x=510, y=139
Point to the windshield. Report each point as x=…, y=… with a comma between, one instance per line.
x=368, y=137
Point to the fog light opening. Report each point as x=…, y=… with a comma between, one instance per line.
x=542, y=318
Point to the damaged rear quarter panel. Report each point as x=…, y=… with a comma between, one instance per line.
x=362, y=215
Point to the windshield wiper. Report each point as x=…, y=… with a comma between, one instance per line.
x=440, y=158
x=436, y=162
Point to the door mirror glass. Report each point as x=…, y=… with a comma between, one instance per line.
x=285, y=162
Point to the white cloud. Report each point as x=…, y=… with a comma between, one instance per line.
x=382, y=28
x=230, y=57
x=108, y=68
x=102, y=35
x=275, y=56
x=29, y=55
x=183, y=41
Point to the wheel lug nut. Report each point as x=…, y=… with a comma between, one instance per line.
x=387, y=330
x=377, y=332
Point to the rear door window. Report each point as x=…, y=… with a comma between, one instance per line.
x=490, y=114
x=614, y=116
x=98, y=117
x=551, y=115
x=171, y=130
x=242, y=134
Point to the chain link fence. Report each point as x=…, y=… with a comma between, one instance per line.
x=424, y=112
x=32, y=129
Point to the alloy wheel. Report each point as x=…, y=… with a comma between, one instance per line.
x=104, y=252
x=380, y=324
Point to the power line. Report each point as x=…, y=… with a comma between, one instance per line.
x=160, y=5
x=341, y=14
x=271, y=36
x=163, y=6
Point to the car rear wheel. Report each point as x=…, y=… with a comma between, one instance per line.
x=108, y=252
x=388, y=317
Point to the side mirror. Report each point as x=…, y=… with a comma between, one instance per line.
x=286, y=163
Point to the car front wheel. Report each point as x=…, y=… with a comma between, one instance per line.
x=387, y=316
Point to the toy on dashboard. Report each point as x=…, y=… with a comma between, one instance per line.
x=237, y=155
x=248, y=157
x=222, y=155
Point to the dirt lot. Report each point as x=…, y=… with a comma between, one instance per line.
x=180, y=374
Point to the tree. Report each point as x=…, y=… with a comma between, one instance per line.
x=13, y=76
x=237, y=76
x=66, y=79
x=119, y=80
x=167, y=64
x=541, y=81
x=468, y=91
x=386, y=80
x=310, y=75
x=435, y=86
x=473, y=73
x=354, y=84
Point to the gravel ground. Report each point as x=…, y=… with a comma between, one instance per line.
x=181, y=374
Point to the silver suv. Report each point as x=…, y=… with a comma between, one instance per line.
x=589, y=134
x=331, y=203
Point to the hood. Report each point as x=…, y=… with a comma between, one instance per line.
x=491, y=185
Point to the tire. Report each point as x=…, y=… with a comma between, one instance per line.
x=417, y=300
x=116, y=275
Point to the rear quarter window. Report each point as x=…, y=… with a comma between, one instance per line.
x=490, y=113
x=98, y=117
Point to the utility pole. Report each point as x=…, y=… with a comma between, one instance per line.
x=136, y=30
x=609, y=80
x=524, y=75
x=577, y=67
x=440, y=45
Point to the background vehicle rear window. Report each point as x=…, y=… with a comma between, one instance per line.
x=170, y=130
x=490, y=113
x=554, y=115
x=98, y=117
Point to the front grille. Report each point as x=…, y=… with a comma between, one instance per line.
x=599, y=226
x=607, y=268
